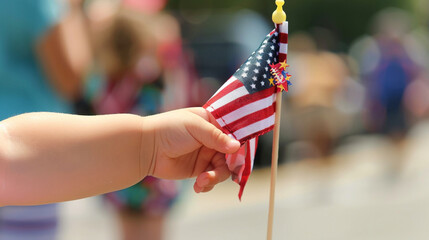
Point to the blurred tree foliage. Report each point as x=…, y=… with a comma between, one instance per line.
x=347, y=19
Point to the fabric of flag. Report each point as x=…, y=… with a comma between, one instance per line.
x=244, y=107
x=283, y=41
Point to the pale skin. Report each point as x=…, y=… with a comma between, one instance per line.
x=51, y=157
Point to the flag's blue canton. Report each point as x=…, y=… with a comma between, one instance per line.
x=255, y=72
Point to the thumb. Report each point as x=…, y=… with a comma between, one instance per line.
x=211, y=137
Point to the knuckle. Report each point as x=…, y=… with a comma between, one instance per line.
x=217, y=135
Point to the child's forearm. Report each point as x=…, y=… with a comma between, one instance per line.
x=48, y=157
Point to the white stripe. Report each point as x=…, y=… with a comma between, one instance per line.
x=248, y=109
x=236, y=93
x=284, y=27
x=230, y=80
x=210, y=109
x=254, y=127
x=283, y=48
x=221, y=122
x=252, y=145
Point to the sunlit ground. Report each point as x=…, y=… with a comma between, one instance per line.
x=372, y=190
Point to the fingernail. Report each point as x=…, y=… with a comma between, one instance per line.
x=198, y=189
x=204, y=181
x=233, y=144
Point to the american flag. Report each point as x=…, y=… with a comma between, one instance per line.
x=244, y=106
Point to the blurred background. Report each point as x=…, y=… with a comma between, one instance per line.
x=354, y=157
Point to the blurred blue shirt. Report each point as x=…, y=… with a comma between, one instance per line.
x=23, y=84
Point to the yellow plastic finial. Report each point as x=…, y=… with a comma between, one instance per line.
x=279, y=16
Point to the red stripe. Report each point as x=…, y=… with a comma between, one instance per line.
x=242, y=101
x=282, y=57
x=229, y=88
x=283, y=37
x=246, y=172
x=251, y=118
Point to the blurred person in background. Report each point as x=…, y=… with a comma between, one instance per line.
x=388, y=66
x=416, y=100
x=41, y=68
x=391, y=63
x=315, y=121
x=139, y=53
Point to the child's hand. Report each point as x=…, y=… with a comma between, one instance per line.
x=187, y=144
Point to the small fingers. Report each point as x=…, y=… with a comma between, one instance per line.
x=207, y=180
x=199, y=189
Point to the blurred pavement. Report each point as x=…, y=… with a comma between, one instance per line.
x=372, y=190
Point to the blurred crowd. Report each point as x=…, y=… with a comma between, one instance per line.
x=133, y=56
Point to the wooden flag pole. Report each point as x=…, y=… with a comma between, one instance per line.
x=274, y=163
x=279, y=16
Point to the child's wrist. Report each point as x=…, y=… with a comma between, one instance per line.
x=147, y=148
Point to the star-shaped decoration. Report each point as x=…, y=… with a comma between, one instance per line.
x=246, y=69
x=265, y=75
x=284, y=65
x=256, y=71
x=283, y=86
x=272, y=47
x=254, y=78
x=270, y=54
x=261, y=50
x=262, y=83
x=244, y=75
x=259, y=57
x=268, y=61
x=271, y=81
x=266, y=69
x=258, y=64
x=253, y=85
